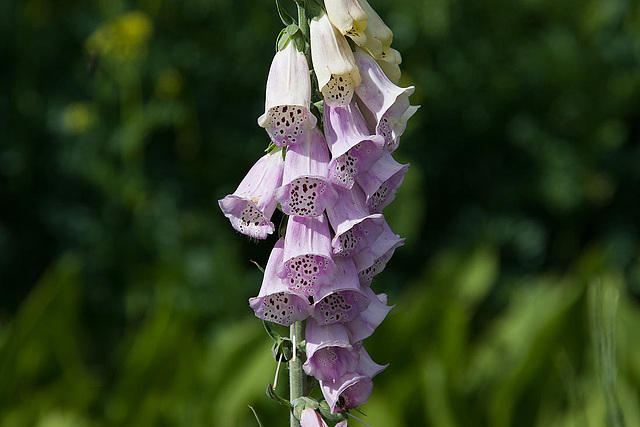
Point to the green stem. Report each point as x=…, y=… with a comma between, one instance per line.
x=303, y=24
x=297, y=377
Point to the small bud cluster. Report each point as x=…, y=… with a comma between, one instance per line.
x=334, y=184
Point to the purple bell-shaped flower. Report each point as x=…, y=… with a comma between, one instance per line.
x=275, y=301
x=250, y=207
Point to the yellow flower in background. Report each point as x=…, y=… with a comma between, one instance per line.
x=79, y=117
x=169, y=83
x=123, y=38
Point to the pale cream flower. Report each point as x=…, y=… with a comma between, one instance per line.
x=348, y=17
x=333, y=62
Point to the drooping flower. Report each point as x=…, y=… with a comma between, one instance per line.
x=380, y=183
x=333, y=62
x=386, y=102
x=310, y=418
x=368, y=320
x=372, y=260
x=355, y=228
x=275, y=301
x=354, y=388
x=352, y=145
x=307, y=262
x=342, y=299
x=348, y=17
x=250, y=207
x=329, y=351
x=376, y=28
x=287, y=117
x=306, y=190
x=390, y=69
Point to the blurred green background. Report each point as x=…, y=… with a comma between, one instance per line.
x=123, y=289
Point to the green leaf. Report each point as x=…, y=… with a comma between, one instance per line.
x=273, y=395
x=255, y=415
x=284, y=15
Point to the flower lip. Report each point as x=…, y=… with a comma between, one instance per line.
x=246, y=217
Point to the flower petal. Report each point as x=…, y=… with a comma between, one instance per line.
x=250, y=207
x=287, y=117
x=372, y=260
x=333, y=62
x=275, y=302
x=355, y=227
x=307, y=263
x=306, y=191
x=380, y=183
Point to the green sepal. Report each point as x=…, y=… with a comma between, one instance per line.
x=282, y=348
x=290, y=32
x=255, y=415
x=271, y=330
x=272, y=146
x=314, y=8
x=325, y=411
x=284, y=15
x=273, y=395
x=320, y=106
x=284, y=220
x=302, y=403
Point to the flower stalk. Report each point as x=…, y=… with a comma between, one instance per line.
x=333, y=117
x=297, y=377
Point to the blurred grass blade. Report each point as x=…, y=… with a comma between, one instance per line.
x=255, y=415
x=603, y=308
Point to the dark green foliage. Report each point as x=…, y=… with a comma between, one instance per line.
x=123, y=289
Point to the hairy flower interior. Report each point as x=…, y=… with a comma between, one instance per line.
x=303, y=273
x=251, y=221
x=277, y=308
x=303, y=196
x=287, y=124
x=334, y=308
x=338, y=91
